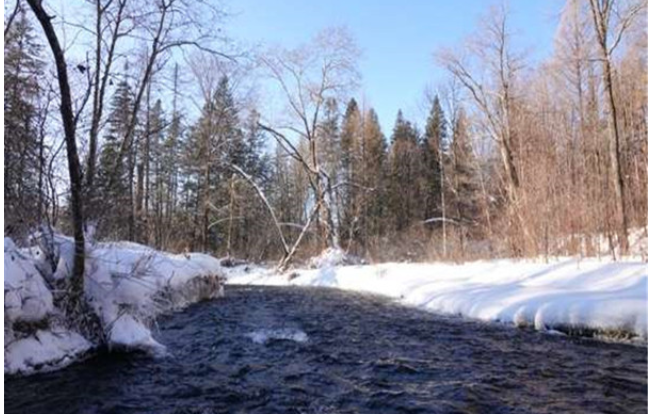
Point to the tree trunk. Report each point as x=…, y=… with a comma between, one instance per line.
x=601, y=19
x=615, y=155
x=74, y=167
x=230, y=225
x=99, y=92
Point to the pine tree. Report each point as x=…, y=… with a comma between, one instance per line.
x=330, y=147
x=228, y=128
x=255, y=163
x=374, y=176
x=350, y=158
x=23, y=156
x=198, y=169
x=168, y=177
x=434, y=148
x=154, y=183
x=247, y=214
x=216, y=141
x=113, y=195
x=404, y=175
x=463, y=177
x=330, y=156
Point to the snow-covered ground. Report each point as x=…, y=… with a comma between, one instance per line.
x=580, y=296
x=126, y=285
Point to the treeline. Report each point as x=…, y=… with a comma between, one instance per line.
x=513, y=159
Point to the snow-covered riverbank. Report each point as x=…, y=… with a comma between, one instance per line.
x=126, y=285
x=576, y=296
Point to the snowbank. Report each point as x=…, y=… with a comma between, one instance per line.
x=332, y=257
x=586, y=296
x=27, y=298
x=44, y=350
x=126, y=285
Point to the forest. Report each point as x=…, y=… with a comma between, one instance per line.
x=218, y=206
x=145, y=122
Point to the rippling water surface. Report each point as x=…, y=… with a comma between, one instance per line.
x=296, y=350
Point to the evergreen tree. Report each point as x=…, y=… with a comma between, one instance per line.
x=404, y=175
x=23, y=157
x=374, y=176
x=215, y=143
x=154, y=184
x=434, y=146
x=197, y=172
x=168, y=178
x=330, y=140
x=228, y=128
x=463, y=178
x=255, y=163
x=114, y=194
x=330, y=155
x=246, y=212
x=351, y=159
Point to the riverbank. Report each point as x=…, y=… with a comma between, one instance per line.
x=126, y=286
x=589, y=297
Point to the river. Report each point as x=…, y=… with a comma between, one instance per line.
x=317, y=350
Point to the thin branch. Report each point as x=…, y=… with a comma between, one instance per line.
x=12, y=17
x=261, y=194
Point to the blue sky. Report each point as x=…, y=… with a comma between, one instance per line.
x=398, y=38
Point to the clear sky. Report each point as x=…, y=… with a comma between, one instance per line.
x=397, y=38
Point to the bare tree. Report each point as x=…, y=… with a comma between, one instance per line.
x=12, y=16
x=109, y=28
x=166, y=25
x=494, y=94
x=611, y=19
x=74, y=166
x=307, y=77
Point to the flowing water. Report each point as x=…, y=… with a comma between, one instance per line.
x=315, y=350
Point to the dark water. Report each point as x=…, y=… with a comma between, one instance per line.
x=362, y=354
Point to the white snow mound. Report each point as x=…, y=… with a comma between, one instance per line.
x=27, y=298
x=567, y=295
x=44, y=351
x=126, y=284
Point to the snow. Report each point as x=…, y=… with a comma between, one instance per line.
x=27, y=297
x=332, y=257
x=44, y=351
x=126, y=285
x=145, y=282
x=566, y=295
x=129, y=333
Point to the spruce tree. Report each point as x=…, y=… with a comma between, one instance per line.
x=22, y=151
x=404, y=175
x=350, y=159
x=113, y=196
x=463, y=177
x=154, y=184
x=168, y=178
x=215, y=142
x=374, y=176
x=434, y=146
